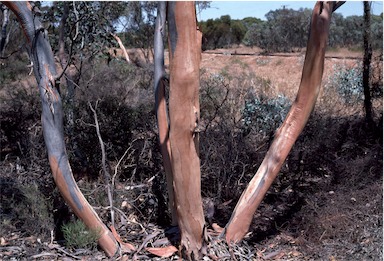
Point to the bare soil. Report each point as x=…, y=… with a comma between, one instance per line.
x=332, y=211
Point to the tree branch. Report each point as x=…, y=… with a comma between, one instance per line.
x=121, y=47
x=107, y=176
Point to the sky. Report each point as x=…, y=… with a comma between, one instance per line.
x=258, y=9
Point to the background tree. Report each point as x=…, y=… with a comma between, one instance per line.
x=222, y=32
x=367, y=63
x=238, y=31
x=139, y=29
x=377, y=32
x=285, y=30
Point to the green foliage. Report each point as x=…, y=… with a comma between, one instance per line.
x=24, y=206
x=238, y=31
x=284, y=30
x=140, y=28
x=77, y=235
x=88, y=26
x=265, y=114
x=202, y=5
x=377, y=32
x=250, y=21
x=222, y=32
x=348, y=32
x=123, y=111
x=348, y=83
x=12, y=69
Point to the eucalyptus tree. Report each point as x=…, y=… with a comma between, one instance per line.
x=180, y=135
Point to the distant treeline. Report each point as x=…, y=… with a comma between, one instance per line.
x=286, y=30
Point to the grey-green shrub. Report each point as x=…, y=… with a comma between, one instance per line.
x=348, y=82
x=265, y=114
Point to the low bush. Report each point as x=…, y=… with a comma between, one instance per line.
x=264, y=115
x=24, y=207
x=348, y=83
x=77, y=235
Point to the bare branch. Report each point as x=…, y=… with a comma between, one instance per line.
x=119, y=162
x=121, y=47
x=107, y=176
x=13, y=52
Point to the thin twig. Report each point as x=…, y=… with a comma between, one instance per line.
x=13, y=52
x=146, y=240
x=64, y=68
x=217, y=107
x=67, y=253
x=44, y=254
x=118, y=164
x=107, y=176
x=126, y=218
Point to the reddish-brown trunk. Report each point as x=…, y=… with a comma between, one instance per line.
x=292, y=126
x=184, y=110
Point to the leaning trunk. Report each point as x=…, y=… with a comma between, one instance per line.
x=292, y=126
x=52, y=122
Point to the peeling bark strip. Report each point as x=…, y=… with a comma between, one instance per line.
x=52, y=122
x=184, y=110
x=291, y=128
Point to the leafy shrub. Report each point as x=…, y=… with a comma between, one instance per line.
x=19, y=113
x=263, y=114
x=78, y=236
x=24, y=207
x=13, y=69
x=348, y=82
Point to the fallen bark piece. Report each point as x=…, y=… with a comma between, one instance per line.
x=126, y=247
x=217, y=228
x=162, y=251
